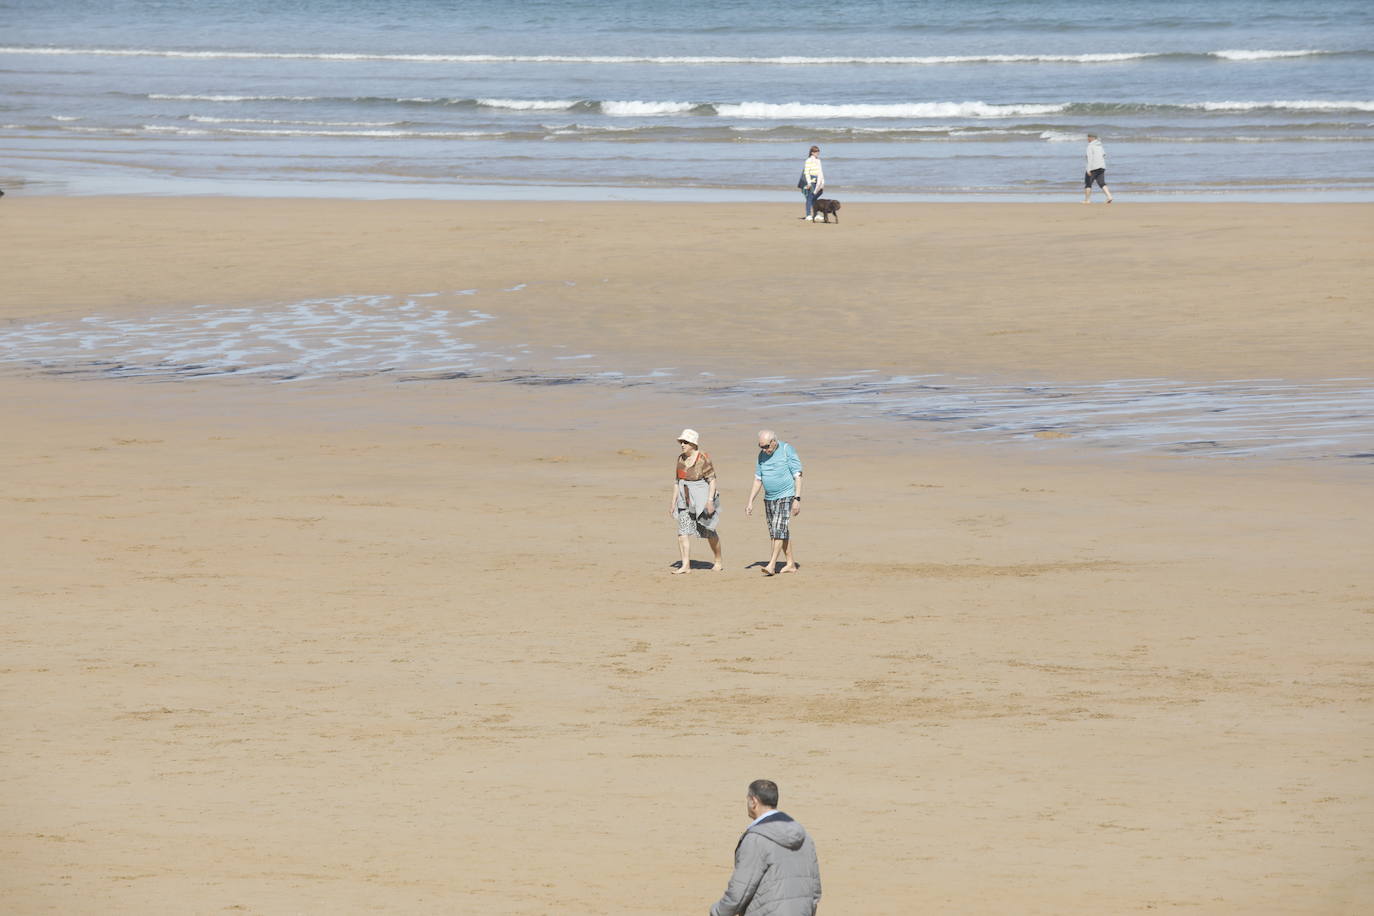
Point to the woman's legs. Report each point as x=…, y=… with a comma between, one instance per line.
x=810, y=195
x=684, y=543
x=715, y=550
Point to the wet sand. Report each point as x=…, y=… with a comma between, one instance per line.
x=339, y=646
x=1183, y=291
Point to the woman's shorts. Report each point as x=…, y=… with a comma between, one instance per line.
x=1097, y=175
x=687, y=525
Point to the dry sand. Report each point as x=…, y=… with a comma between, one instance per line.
x=352, y=646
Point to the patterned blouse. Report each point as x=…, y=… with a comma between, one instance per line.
x=701, y=470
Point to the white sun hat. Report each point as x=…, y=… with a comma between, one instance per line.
x=688, y=435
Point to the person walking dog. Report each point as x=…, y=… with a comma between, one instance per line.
x=812, y=181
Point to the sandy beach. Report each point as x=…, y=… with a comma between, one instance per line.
x=348, y=644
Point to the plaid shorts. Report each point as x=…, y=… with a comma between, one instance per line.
x=779, y=515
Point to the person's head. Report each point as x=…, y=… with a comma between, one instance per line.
x=768, y=441
x=687, y=439
x=816, y=151
x=1092, y=137
x=762, y=797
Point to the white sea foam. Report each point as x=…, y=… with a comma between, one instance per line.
x=1297, y=105
x=788, y=60
x=1265, y=55
x=641, y=108
x=797, y=110
x=564, y=129
x=528, y=105
x=179, y=131
x=337, y=336
x=92, y=130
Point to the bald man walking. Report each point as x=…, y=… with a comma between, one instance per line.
x=779, y=475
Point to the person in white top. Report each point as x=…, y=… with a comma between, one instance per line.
x=812, y=181
x=1095, y=170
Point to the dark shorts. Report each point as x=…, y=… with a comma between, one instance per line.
x=1097, y=175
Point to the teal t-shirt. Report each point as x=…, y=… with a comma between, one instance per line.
x=777, y=471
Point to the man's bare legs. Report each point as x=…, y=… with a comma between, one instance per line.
x=773, y=560
x=791, y=565
x=784, y=548
x=1088, y=193
x=714, y=540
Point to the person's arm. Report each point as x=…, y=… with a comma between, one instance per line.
x=753, y=493
x=744, y=882
x=672, y=499
x=795, y=466
x=816, y=891
x=820, y=177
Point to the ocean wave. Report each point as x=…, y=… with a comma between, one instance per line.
x=1106, y=57
x=648, y=109
x=1267, y=55
x=719, y=132
x=893, y=110
x=202, y=119
x=759, y=110
x=1298, y=105
x=291, y=132
x=180, y=97
x=528, y=104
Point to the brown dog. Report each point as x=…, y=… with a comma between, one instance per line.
x=826, y=208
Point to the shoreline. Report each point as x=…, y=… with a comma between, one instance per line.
x=1016, y=360
x=1194, y=292
x=525, y=192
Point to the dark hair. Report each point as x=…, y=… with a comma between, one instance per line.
x=766, y=791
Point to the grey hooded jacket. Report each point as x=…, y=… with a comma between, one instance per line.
x=776, y=872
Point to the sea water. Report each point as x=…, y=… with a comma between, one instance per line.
x=433, y=338
x=1229, y=99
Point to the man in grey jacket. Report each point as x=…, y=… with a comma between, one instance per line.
x=776, y=872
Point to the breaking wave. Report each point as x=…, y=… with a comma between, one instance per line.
x=758, y=110
x=1107, y=57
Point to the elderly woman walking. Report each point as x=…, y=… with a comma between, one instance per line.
x=695, y=503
